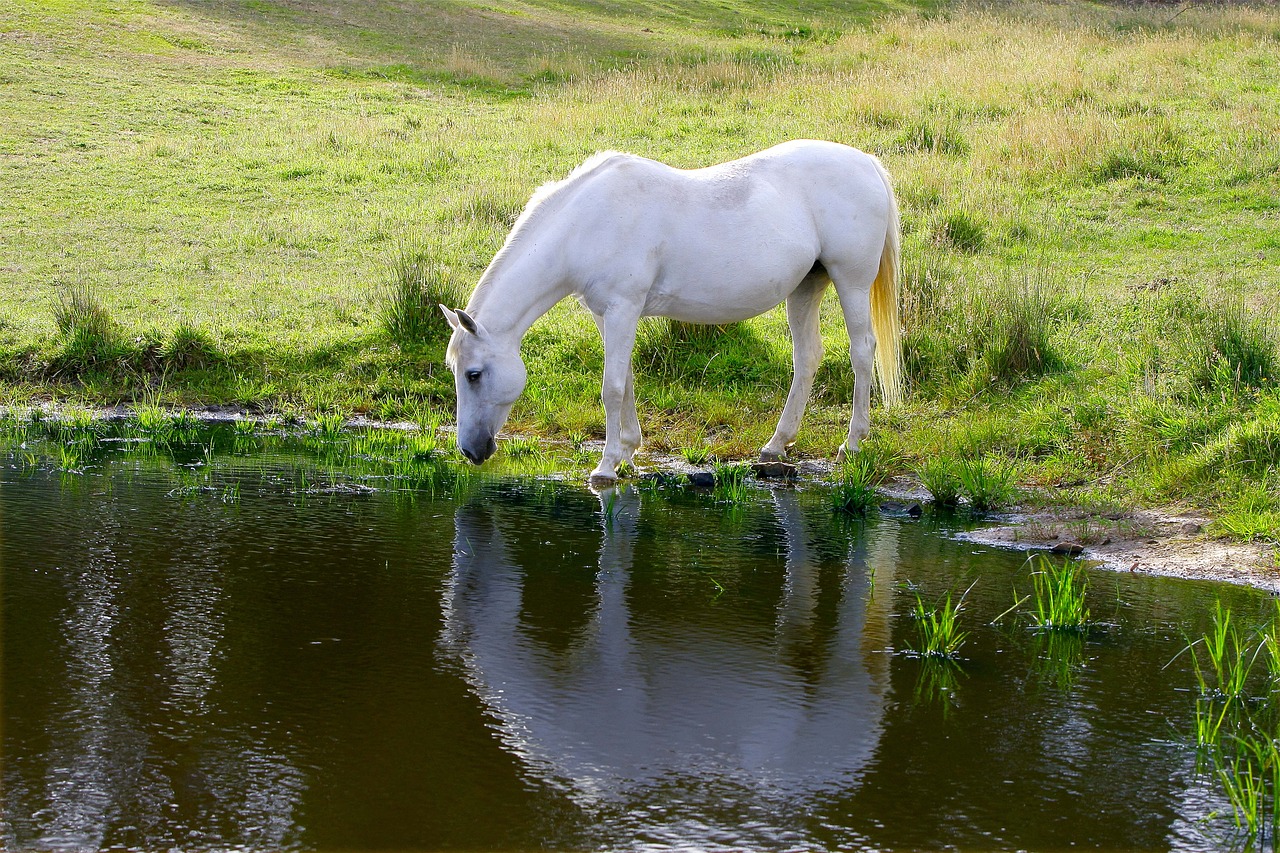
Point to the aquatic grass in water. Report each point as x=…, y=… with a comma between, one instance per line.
x=938, y=629
x=1229, y=657
x=329, y=426
x=856, y=490
x=1059, y=594
x=1237, y=732
x=70, y=458
x=1059, y=657
x=1251, y=780
x=731, y=484
x=937, y=682
x=152, y=420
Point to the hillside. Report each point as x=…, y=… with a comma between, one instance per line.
x=228, y=202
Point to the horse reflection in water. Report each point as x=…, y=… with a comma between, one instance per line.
x=659, y=726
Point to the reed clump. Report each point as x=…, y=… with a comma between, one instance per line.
x=1237, y=720
x=938, y=633
x=1060, y=596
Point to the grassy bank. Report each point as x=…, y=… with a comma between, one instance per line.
x=226, y=202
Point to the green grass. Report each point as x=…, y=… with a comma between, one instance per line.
x=941, y=480
x=1237, y=722
x=257, y=203
x=857, y=481
x=986, y=482
x=1059, y=593
x=938, y=627
x=1223, y=659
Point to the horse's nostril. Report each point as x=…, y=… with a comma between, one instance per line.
x=489, y=447
x=470, y=456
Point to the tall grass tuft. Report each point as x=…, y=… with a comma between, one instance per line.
x=329, y=426
x=962, y=231
x=1017, y=340
x=189, y=347
x=860, y=477
x=938, y=627
x=91, y=338
x=1229, y=656
x=987, y=483
x=419, y=285
x=855, y=491
x=78, y=310
x=1237, y=733
x=1059, y=593
x=1251, y=781
x=731, y=484
x=1238, y=350
x=941, y=479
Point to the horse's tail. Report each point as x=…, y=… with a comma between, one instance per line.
x=885, y=321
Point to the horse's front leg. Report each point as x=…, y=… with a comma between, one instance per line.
x=630, y=429
x=619, y=341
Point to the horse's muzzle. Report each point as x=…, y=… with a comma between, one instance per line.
x=478, y=456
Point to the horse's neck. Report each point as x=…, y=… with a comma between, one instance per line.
x=519, y=287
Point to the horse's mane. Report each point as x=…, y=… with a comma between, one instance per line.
x=539, y=205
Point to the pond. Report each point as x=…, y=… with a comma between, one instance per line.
x=276, y=648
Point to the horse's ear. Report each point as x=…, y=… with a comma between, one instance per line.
x=467, y=323
x=451, y=316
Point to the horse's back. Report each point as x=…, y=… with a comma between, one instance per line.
x=733, y=238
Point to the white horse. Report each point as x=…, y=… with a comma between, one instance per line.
x=631, y=238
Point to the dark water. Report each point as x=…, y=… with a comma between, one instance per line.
x=228, y=655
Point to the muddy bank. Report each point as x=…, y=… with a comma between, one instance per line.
x=1148, y=541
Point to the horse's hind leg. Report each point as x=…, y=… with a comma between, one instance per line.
x=855, y=303
x=803, y=312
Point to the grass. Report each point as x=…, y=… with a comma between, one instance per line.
x=419, y=285
x=941, y=479
x=987, y=483
x=696, y=454
x=1237, y=721
x=858, y=480
x=1229, y=657
x=1059, y=593
x=217, y=203
x=732, y=484
x=938, y=627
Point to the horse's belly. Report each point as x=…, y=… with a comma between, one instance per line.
x=725, y=295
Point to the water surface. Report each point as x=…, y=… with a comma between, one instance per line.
x=262, y=652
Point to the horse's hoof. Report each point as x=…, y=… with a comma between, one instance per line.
x=766, y=456
x=841, y=455
x=603, y=478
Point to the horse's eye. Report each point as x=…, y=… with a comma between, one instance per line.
x=473, y=376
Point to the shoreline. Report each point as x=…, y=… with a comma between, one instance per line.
x=1165, y=542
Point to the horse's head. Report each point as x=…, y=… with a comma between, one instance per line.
x=489, y=376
